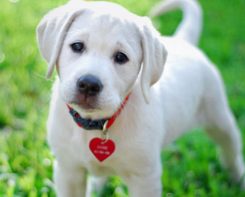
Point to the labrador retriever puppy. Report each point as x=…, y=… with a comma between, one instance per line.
x=123, y=92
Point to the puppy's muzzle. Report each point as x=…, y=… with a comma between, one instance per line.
x=89, y=85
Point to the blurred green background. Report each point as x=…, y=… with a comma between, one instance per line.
x=191, y=167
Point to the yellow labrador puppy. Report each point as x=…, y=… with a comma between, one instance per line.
x=123, y=91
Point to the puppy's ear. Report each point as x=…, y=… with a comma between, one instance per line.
x=52, y=30
x=154, y=57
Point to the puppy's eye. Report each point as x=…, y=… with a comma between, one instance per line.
x=120, y=58
x=77, y=47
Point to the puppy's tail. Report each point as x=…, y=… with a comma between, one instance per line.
x=191, y=24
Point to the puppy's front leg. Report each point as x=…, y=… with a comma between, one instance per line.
x=69, y=182
x=146, y=184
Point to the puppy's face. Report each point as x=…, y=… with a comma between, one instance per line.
x=99, y=63
x=98, y=49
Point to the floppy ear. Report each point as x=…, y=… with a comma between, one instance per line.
x=154, y=57
x=52, y=30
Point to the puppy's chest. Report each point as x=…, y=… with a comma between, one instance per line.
x=127, y=152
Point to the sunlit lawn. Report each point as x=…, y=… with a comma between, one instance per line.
x=191, y=167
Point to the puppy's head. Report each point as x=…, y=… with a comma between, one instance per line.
x=100, y=50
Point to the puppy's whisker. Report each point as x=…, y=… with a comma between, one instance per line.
x=42, y=77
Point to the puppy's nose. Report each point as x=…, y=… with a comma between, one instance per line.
x=89, y=85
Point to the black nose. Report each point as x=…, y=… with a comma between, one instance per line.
x=89, y=85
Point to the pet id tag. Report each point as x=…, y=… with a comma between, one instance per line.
x=101, y=148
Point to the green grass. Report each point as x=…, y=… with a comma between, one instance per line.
x=191, y=167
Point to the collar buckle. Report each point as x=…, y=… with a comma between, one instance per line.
x=105, y=134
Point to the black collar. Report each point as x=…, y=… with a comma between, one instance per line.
x=101, y=124
x=87, y=124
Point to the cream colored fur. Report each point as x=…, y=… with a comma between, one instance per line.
x=173, y=86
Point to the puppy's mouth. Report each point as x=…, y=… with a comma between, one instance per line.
x=89, y=107
x=87, y=103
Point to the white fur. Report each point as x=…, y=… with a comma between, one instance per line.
x=189, y=93
x=191, y=25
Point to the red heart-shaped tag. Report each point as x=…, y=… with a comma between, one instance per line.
x=101, y=148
